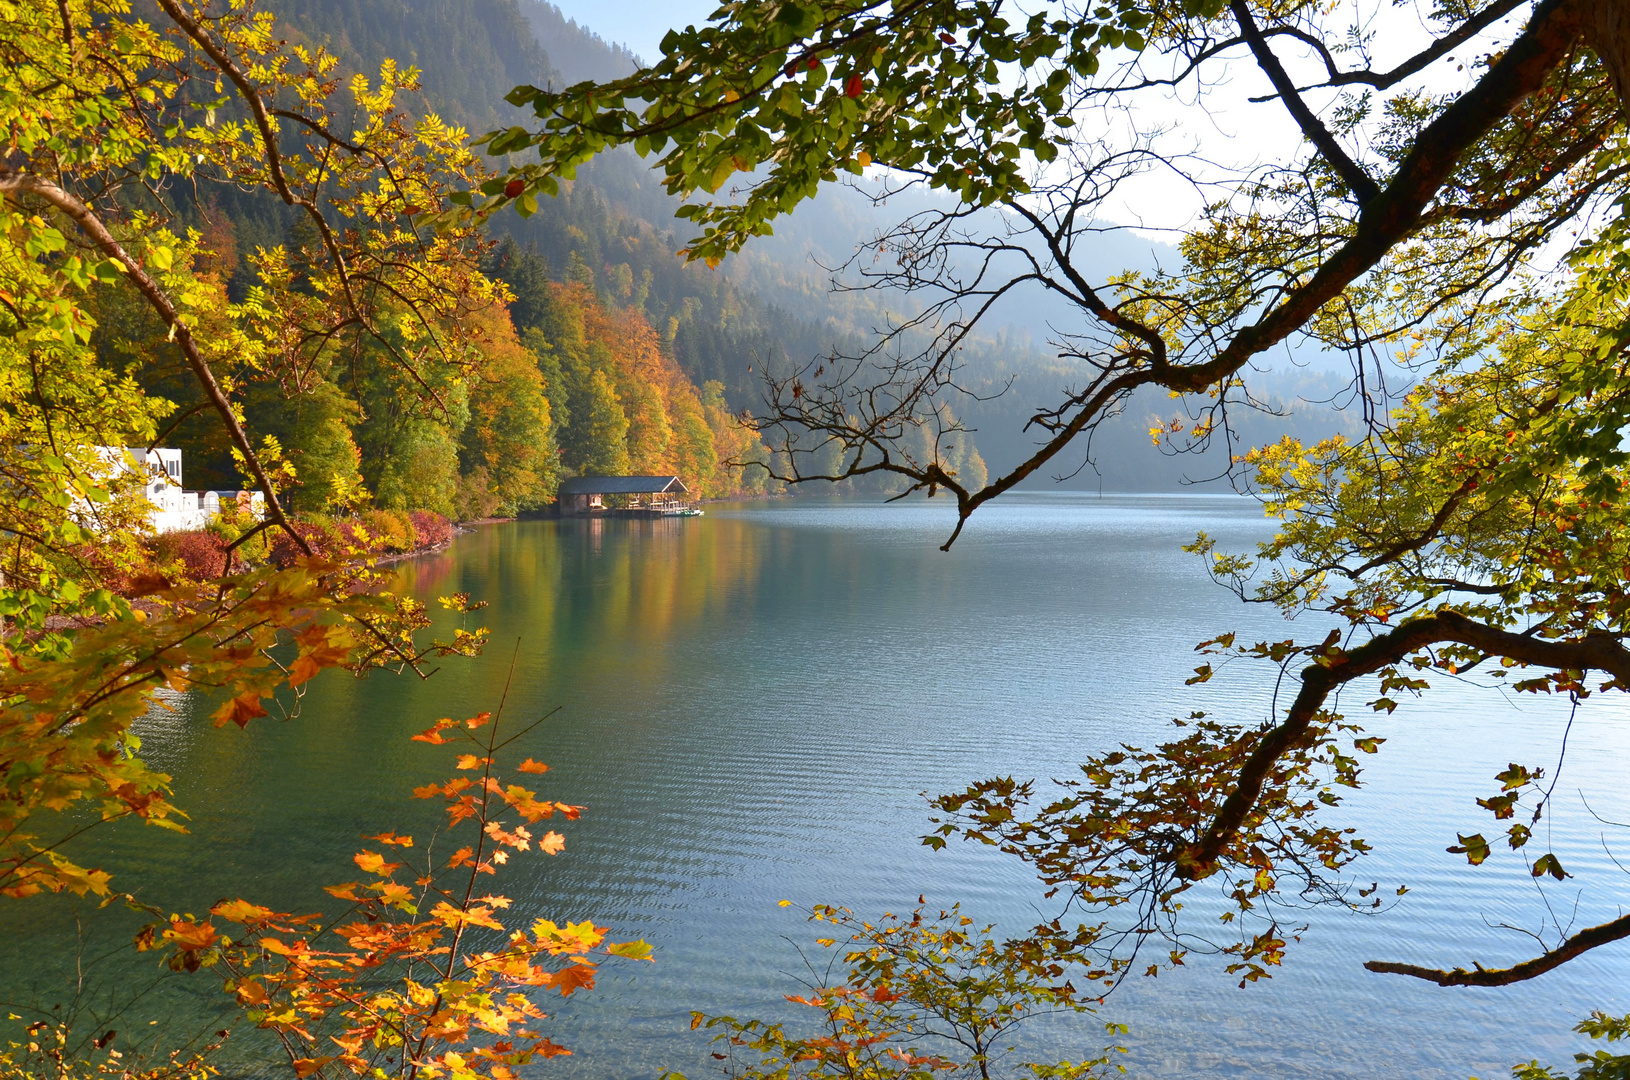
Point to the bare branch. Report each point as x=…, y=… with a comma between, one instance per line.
x=1573, y=947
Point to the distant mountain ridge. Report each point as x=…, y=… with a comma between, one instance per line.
x=768, y=307
x=577, y=52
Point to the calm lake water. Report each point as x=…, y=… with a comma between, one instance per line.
x=751, y=705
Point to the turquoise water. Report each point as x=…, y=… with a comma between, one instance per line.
x=751, y=705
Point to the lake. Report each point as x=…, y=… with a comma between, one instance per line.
x=751, y=705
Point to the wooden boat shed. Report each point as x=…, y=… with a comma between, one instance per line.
x=641, y=494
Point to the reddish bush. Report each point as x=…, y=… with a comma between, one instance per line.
x=355, y=538
x=201, y=553
x=430, y=529
x=284, y=550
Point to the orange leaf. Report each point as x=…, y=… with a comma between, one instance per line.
x=476, y=721
x=392, y=838
x=241, y=911
x=344, y=892
x=574, y=977
x=240, y=710
x=304, y=667
x=191, y=936
x=373, y=863
x=532, y=766
x=551, y=843
x=470, y=761
x=429, y=791
x=250, y=992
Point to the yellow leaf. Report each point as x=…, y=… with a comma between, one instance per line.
x=241, y=911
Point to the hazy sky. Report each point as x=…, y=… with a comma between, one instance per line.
x=639, y=24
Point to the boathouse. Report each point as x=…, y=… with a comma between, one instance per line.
x=640, y=494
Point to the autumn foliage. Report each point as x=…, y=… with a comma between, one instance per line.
x=908, y=999
x=419, y=974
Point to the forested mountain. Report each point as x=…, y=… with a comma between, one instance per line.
x=674, y=344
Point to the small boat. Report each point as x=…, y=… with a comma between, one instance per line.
x=682, y=511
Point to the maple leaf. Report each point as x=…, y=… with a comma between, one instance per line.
x=373, y=863
x=551, y=843
x=631, y=950
x=240, y=710
x=470, y=761
x=433, y=734
x=532, y=766
x=191, y=936
x=392, y=838
x=250, y=992
x=241, y=911
x=573, y=977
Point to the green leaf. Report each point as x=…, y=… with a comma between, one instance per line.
x=630, y=950
x=1549, y=864
x=1474, y=847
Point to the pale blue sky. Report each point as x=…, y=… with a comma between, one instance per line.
x=639, y=24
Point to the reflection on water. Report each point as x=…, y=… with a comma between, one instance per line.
x=751, y=705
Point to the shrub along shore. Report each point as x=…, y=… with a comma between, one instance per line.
x=198, y=555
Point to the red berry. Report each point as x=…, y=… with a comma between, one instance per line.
x=513, y=189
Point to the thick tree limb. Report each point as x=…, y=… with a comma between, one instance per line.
x=1390, y=217
x=1607, y=32
x=1575, y=946
x=1394, y=214
x=1593, y=652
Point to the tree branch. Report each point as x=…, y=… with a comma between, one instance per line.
x=1439, y=48
x=12, y=183
x=1575, y=946
x=1593, y=652
x=1352, y=174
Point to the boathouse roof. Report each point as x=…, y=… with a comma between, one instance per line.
x=623, y=485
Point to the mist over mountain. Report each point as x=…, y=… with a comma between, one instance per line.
x=772, y=305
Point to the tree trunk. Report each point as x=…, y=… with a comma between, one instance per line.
x=1607, y=32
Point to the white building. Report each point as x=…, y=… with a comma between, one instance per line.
x=173, y=509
